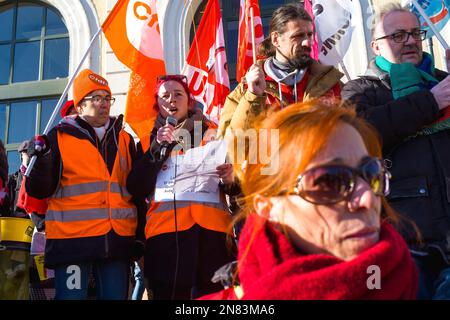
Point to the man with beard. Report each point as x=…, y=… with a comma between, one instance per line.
x=407, y=100
x=287, y=74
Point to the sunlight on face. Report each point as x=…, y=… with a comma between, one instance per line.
x=96, y=114
x=344, y=229
x=173, y=100
x=409, y=51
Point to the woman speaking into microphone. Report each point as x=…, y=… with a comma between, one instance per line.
x=185, y=240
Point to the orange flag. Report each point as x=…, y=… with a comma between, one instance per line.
x=132, y=30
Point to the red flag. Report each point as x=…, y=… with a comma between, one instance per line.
x=132, y=30
x=206, y=64
x=244, y=54
x=315, y=47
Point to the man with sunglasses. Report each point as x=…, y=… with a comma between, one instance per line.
x=408, y=100
x=82, y=167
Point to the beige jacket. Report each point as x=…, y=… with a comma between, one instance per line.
x=242, y=107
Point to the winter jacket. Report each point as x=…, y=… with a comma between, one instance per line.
x=242, y=107
x=201, y=240
x=420, y=165
x=47, y=178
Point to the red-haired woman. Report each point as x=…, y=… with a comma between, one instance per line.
x=186, y=241
x=319, y=226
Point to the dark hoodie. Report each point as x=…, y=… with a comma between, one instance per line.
x=44, y=180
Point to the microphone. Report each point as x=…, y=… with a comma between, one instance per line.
x=164, y=145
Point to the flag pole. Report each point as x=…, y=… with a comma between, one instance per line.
x=430, y=24
x=63, y=96
x=252, y=27
x=344, y=68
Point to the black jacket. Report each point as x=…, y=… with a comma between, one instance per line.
x=420, y=184
x=44, y=180
x=201, y=251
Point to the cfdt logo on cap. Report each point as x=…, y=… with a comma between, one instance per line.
x=101, y=81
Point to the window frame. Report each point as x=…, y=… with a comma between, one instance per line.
x=35, y=90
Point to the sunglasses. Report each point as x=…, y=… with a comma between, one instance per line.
x=330, y=184
x=169, y=77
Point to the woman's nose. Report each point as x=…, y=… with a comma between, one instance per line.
x=363, y=197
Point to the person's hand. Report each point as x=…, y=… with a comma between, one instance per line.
x=225, y=172
x=256, y=80
x=441, y=93
x=38, y=146
x=165, y=134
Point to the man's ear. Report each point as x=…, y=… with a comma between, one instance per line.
x=262, y=206
x=274, y=37
x=79, y=108
x=375, y=47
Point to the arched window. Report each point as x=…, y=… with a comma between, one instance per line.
x=34, y=62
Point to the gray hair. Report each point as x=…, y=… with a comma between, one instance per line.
x=387, y=9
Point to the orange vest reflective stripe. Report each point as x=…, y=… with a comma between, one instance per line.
x=212, y=216
x=89, y=201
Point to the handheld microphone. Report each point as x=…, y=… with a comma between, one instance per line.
x=165, y=145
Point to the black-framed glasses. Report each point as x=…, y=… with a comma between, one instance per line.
x=99, y=99
x=403, y=36
x=169, y=77
x=330, y=184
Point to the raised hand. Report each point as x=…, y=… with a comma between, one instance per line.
x=256, y=80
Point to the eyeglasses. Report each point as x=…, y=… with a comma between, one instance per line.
x=330, y=184
x=403, y=36
x=169, y=77
x=100, y=99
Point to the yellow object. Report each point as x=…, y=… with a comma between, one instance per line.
x=40, y=267
x=16, y=229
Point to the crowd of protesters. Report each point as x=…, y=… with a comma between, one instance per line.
x=361, y=179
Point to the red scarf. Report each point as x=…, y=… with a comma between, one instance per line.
x=274, y=269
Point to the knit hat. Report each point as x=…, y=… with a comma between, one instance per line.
x=86, y=82
x=65, y=110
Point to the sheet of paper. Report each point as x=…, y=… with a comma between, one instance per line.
x=196, y=177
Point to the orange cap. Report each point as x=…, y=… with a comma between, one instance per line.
x=86, y=82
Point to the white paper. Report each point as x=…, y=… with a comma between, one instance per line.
x=196, y=176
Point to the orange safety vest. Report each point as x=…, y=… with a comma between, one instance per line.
x=89, y=201
x=213, y=216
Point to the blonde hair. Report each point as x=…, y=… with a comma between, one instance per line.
x=384, y=11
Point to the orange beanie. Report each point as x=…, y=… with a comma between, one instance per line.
x=86, y=82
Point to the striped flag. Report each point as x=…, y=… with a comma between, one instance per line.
x=245, y=49
x=206, y=64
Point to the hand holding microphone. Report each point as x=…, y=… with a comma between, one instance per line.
x=164, y=135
